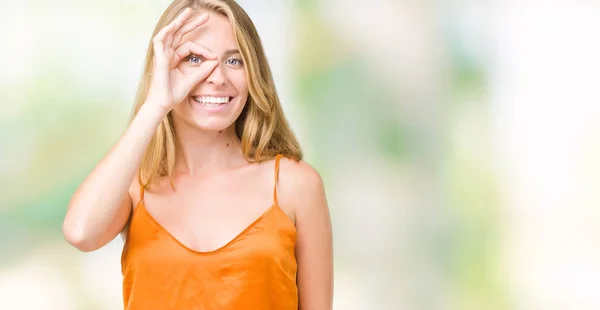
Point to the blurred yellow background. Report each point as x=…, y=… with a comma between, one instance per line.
x=459, y=142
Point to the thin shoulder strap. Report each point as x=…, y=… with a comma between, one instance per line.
x=277, y=158
x=141, y=192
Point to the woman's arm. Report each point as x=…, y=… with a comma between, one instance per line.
x=101, y=206
x=302, y=189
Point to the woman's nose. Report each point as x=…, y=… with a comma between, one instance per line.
x=217, y=76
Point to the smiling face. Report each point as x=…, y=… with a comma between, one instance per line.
x=215, y=103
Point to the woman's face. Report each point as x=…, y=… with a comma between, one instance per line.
x=215, y=103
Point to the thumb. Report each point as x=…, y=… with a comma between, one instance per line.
x=203, y=71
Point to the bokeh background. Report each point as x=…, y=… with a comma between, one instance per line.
x=459, y=142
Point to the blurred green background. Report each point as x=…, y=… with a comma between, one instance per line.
x=459, y=144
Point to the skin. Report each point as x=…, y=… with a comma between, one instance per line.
x=195, y=56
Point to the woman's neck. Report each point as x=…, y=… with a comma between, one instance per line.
x=200, y=152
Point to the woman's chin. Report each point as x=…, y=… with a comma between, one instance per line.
x=208, y=124
x=213, y=122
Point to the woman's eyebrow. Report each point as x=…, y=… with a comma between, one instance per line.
x=231, y=52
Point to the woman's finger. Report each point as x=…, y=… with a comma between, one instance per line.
x=175, y=25
x=203, y=71
x=160, y=58
x=189, y=48
x=187, y=28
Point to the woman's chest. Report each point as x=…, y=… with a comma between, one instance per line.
x=204, y=215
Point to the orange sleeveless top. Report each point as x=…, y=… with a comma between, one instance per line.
x=255, y=270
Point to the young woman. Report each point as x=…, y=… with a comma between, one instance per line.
x=207, y=184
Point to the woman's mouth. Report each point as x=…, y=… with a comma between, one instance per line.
x=212, y=102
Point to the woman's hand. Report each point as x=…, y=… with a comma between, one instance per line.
x=169, y=86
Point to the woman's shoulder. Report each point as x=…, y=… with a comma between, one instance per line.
x=298, y=173
x=135, y=191
x=300, y=185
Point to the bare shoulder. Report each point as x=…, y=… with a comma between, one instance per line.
x=298, y=177
x=134, y=191
x=300, y=187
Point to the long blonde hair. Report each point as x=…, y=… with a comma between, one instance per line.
x=262, y=127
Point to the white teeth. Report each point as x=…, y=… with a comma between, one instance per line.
x=211, y=100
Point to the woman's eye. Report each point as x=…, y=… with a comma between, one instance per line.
x=234, y=61
x=193, y=59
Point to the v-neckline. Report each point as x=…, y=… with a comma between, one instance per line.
x=142, y=206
